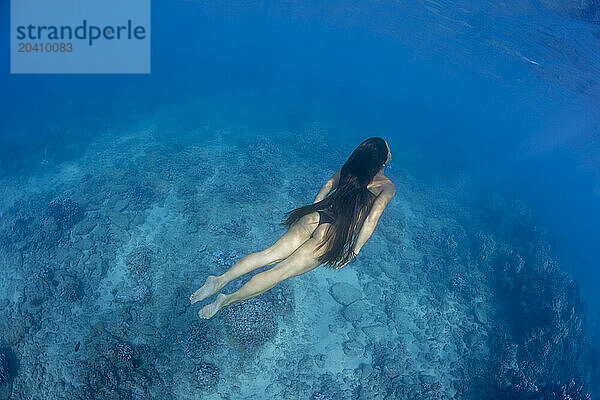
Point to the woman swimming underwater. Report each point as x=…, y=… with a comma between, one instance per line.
x=330, y=231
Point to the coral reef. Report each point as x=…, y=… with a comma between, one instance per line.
x=281, y=298
x=544, y=314
x=573, y=389
x=115, y=370
x=224, y=259
x=70, y=289
x=207, y=375
x=65, y=212
x=201, y=339
x=444, y=302
x=140, y=260
x=236, y=227
x=8, y=372
x=137, y=293
x=250, y=324
x=140, y=190
x=124, y=352
x=5, y=374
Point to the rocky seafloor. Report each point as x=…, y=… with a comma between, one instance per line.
x=457, y=295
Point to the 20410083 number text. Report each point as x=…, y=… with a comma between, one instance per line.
x=26, y=47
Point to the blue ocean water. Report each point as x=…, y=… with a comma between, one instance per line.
x=119, y=194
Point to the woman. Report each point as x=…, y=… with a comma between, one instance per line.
x=330, y=231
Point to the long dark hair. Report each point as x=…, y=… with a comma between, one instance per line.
x=349, y=202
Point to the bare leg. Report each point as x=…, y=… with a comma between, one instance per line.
x=282, y=248
x=215, y=283
x=300, y=262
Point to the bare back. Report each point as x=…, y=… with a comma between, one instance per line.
x=382, y=188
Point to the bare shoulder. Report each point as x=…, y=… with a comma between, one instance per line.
x=382, y=186
x=385, y=191
x=389, y=186
x=388, y=190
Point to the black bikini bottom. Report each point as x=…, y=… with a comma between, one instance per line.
x=325, y=217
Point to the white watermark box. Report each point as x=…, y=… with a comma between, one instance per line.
x=80, y=36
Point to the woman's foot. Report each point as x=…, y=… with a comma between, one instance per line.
x=210, y=309
x=210, y=287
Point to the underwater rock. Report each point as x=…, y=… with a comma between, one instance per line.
x=21, y=229
x=320, y=360
x=544, y=330
x=373, y=292
x=84, y=244
x=376, y=332
x=47, y=235
x=85, y=227
x=46, y=229
x=461, y=287
x=390, y=269
x=388, y=364
x=195, y=213
x=327, y=387
x=120, y=220
x=352, y=348
x=300, y=190
x=427, y=379
x=283, y=363
x=13, y=331
x=375, y=386
x=365, y=370
x=392, y=368
x=480, y=313
x=356, y=311
x=207, y=375
x=102, y=380
x=8, y=372
x=344, y=293
x=250, y=324
x=306, y=364
x=36, y=292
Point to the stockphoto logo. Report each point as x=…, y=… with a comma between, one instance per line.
x=80, y=36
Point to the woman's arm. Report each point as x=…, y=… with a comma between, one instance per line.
x=371, y=220
x=328, y=186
